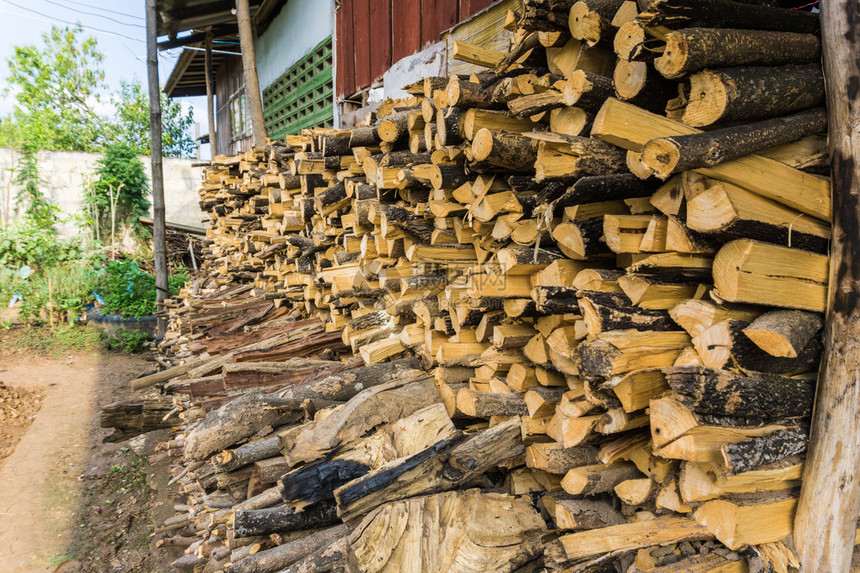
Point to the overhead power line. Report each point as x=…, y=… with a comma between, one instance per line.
x=84, y=4
x=54, y=19
x=96, y=14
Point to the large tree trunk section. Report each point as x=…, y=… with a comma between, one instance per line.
x=447, y=531
x=826, y=515
x=666, y=156
x=743, y=93
x=695, y=49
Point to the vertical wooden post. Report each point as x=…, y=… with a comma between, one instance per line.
x=210, y=97
x=830, y=496
x=249, y=65
x=159, y=246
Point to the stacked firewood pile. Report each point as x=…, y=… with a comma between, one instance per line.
x=563, y=313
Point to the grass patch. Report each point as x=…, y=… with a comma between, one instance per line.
x=67, y=339
x=63, y=339
x=130, y=474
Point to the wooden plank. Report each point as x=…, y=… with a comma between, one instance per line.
x=361, y=42
x=471, y=7
x=436, y=17
x=405, y=28
x=379, y=23
x=485, y=31
x=345, y=71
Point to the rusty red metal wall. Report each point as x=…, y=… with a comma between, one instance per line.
x=373, y=34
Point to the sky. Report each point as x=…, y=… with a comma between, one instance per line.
x=118, y=26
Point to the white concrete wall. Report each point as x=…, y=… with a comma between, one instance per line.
x=64, y=174
x=301, y=25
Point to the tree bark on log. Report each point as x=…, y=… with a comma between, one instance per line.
x=509, y=151
x=604, y=311
x=282, y=556
x=138, y=416
x=729, y=14
x=665, y=156
x=694, y=49
x=230, y=460
x=763, y=397
x=238, y=420
x=826, y=518
x=447, y=465
x=329, y=559
x=743, y=93
x=593, y=189
x=283, y=519
x=756, y=452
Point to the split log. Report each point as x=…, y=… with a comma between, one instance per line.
x=238, y=420
x=368, y=409
x=730, y=14
x=726, y=343
x=784, y=333
x=726, y=210
x=447, y=465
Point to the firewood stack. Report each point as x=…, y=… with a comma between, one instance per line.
x=563, y=313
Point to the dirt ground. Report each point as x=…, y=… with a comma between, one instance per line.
x=68, y=502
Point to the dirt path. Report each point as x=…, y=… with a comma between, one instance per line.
x=47, y=502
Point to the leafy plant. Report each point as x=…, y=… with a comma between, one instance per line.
x=38, y=210
x=129, y=291
x=121, y=184
x=27, y=244
x=127, y=341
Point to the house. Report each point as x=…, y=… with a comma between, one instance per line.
x=320, y=63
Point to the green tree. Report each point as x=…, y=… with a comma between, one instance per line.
x=121, y=174
x=56, y=88
x=132, y=122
